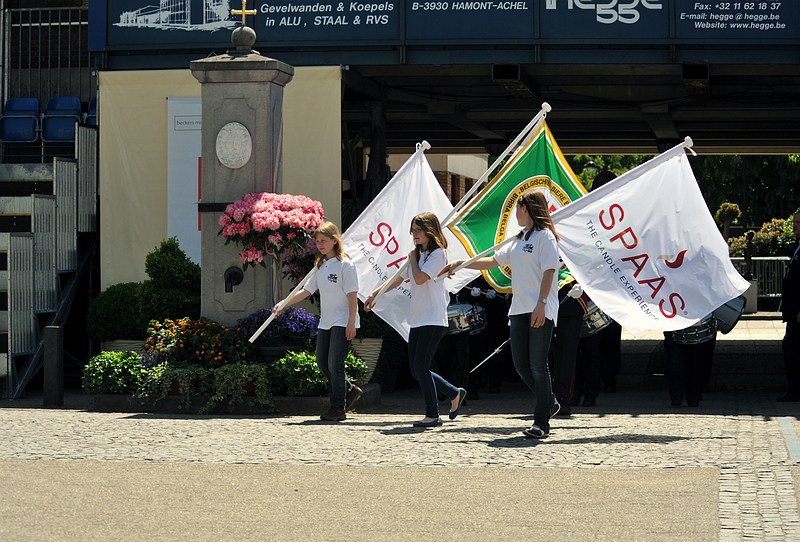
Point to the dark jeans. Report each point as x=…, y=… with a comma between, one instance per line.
x=332, y=347
x=570, y=319
x=529, y=348
x=422, y=343
x=687, y=366
x=791, y=357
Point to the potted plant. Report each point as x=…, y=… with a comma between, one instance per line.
x=369, y=340
x=272, y=228
x=115, y=318
x=295, y=328
x=119, y=315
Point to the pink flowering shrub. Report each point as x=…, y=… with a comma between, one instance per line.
x=275, y=227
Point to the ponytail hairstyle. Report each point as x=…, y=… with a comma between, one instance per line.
x=330, y=230
x=429, y=224
x=534, y=201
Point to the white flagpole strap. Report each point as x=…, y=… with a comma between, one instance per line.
x=511, y=146
x=282, y=303
x=476, y=257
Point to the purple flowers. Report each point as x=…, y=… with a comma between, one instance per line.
x=294, y=325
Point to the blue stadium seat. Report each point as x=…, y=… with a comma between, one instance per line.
x=19, y=122
x=91, y=114
x=60, y=116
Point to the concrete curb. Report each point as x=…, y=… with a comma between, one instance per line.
x=288, y=406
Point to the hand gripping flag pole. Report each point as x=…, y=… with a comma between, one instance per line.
x=282, y=303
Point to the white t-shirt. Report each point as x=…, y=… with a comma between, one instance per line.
x=529, y=260
x=429, y=300
x=334, y=279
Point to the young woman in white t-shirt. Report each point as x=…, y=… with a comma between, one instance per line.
x=337, y=282
x=533, y=258
x=427, y=316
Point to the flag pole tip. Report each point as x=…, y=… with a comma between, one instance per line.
x=687, y=141
x=546, y=107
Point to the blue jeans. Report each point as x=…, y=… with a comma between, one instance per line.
x=332, y=348
x=422, y=343
x=529, y=349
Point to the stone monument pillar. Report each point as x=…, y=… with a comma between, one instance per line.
x=242, y=95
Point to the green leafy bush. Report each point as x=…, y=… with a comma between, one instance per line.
x=775, y=238
x=169, y=267
x=230, y=385
x=115, y=313
x=159, y=303
x=297, y=373
x=114, y=372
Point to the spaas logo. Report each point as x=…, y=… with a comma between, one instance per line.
x=333, y=278
x=527, y=247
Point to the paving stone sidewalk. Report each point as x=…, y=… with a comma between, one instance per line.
x=737, y=454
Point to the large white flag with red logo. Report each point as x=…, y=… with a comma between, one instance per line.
x=646, y=249
x=379, y=240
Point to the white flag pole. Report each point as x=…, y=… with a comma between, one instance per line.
x=511, y=146
x=282, y=304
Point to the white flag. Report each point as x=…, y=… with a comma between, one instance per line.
x=646, y=249
x=379, y=240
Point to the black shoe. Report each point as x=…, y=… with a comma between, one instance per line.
x=565, y=411
x=428, y=422
x=589, y=402
x=788, y=398
x=462, y=394
x=536, y=432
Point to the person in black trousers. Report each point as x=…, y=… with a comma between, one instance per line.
x=790, y=313
x=686, y=362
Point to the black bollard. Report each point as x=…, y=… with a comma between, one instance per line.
x=53, y=393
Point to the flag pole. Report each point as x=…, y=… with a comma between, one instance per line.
x=282, y=304
x=513, y=145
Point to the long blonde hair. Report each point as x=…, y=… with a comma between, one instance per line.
x=330, y=230
x=429, y=223
x=534, y=201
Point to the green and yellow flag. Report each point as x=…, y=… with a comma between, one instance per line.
x=489, y=217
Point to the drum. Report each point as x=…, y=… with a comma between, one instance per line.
x=465, y=317
x=701, y=332
x=594, y=320
x=727, y=315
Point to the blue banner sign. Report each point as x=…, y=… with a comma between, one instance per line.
x=193, y=24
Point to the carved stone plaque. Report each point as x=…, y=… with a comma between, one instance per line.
x=234, y=145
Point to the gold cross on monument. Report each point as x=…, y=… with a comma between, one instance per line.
x=244, y=12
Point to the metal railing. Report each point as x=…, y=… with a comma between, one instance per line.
x=768, y=270
x=46, y=53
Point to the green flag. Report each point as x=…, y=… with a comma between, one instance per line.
x=489, y=217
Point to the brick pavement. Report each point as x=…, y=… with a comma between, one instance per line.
x=737, y=454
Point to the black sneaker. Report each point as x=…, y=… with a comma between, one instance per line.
x=555, y=409
x=536, y=432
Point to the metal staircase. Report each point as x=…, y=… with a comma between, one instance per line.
x=46, y=247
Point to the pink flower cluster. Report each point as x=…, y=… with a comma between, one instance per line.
x=278, y=225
